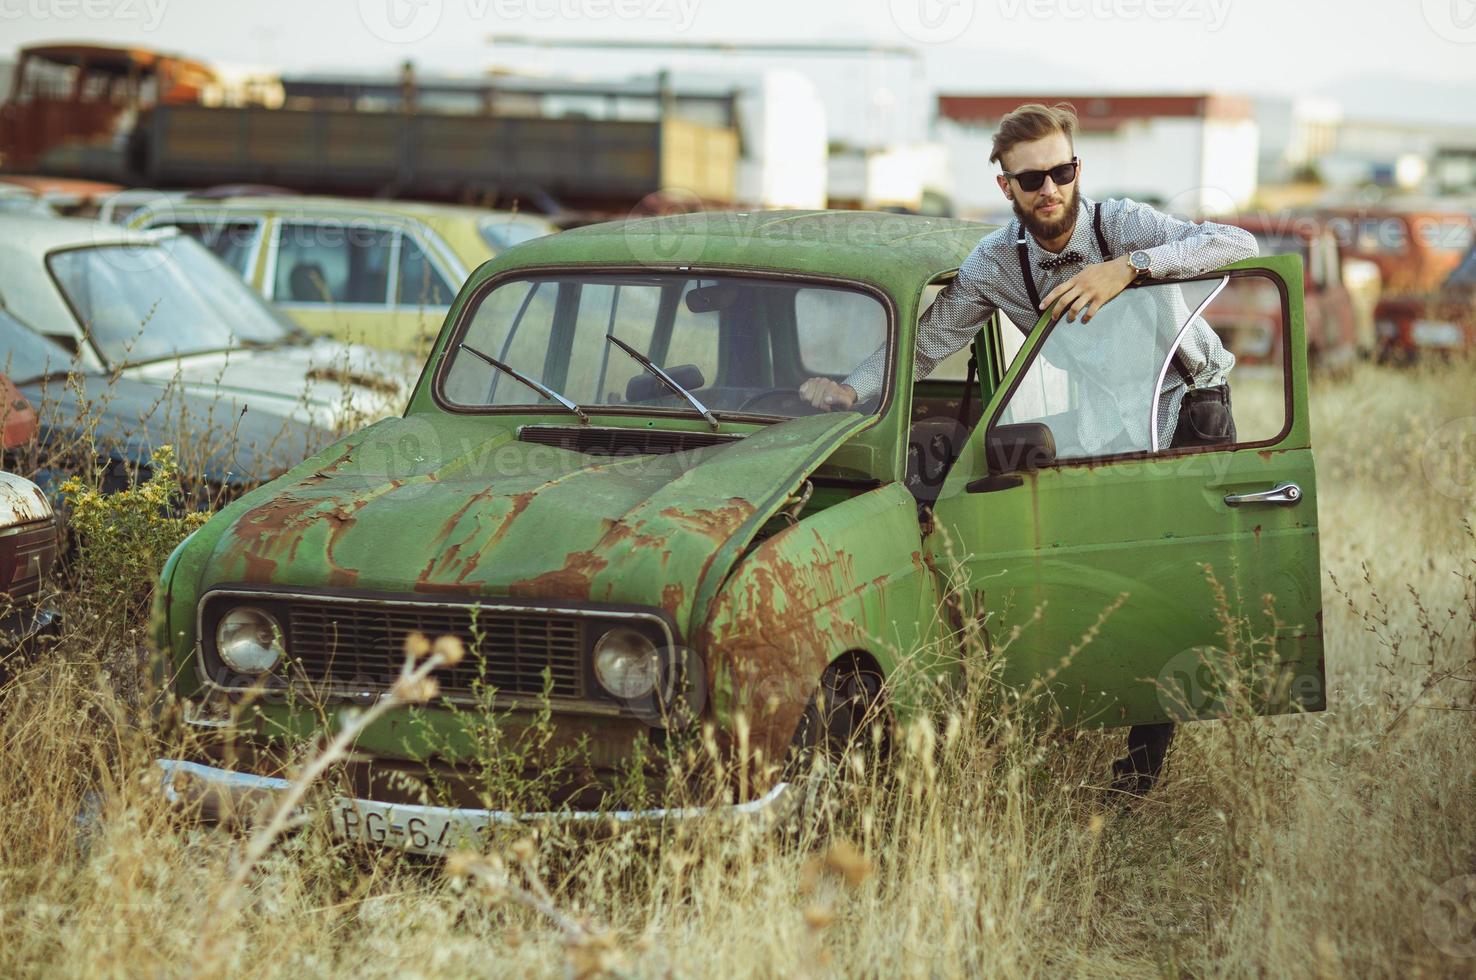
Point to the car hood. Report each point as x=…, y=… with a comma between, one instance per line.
x=222, y=439
x=437, y=505
x=324, y=383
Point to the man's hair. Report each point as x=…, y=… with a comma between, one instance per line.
x=1034, y=121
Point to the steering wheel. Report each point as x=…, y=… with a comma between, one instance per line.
x=787, y=401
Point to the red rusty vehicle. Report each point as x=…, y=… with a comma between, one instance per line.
x=1415, y=249
x=1440, y=322
x=1250, y=317
x=71, y=105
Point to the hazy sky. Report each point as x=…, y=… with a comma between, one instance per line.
x=1249, y=46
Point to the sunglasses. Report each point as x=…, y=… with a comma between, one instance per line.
x=1033, y=180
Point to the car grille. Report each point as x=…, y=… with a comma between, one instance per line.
x=595, y=441
x=362, y=645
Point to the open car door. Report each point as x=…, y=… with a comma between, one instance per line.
x=1150, y=583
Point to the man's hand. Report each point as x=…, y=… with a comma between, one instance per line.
x=1087, y=291
x=827, y=394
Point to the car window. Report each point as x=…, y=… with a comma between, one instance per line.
x=740, y=343
x=146, y=301
x=326, y=263
x=829, y=322
x=233, y=242
x=1109, y=387
x=419, y=282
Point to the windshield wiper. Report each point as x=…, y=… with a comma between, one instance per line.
x=517, y=375
x=665, y=379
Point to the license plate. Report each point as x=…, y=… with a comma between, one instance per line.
x=1437, y=333
x=419, y=830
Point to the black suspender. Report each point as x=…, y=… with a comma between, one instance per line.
x=1023, y=251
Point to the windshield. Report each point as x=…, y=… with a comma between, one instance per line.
x=738, y=344
x=26, y=355
x=156, y=300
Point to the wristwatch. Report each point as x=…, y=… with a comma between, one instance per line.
x=1139, y=260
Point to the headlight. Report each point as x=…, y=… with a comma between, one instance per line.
x=626, y=663
x=249, y=640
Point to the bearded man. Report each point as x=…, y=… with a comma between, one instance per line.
x=1071, y=255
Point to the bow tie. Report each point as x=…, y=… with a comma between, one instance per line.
x=1054, y=262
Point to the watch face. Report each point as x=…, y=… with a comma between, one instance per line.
x=1139, y=260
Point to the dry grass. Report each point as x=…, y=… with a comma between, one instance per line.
x=1299, y=846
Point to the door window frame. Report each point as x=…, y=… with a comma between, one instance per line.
x=1042, y=330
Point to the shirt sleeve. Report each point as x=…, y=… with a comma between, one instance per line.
x=1176, y=248
x=946, y=327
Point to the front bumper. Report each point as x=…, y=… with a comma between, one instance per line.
x=222, y=795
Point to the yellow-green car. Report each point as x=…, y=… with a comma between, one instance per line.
x=381, y=273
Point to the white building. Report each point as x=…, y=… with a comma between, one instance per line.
x=1295, y=134
x=1192, y=154
x=913, y=175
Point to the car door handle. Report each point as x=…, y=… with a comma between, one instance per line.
x=1285, y=494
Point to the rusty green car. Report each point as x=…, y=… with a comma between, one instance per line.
x=607, y=485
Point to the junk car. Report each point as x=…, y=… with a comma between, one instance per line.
x=607, y=485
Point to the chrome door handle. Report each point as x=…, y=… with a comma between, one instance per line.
x=1285, y=494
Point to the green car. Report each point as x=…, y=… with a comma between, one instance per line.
x=607, y=486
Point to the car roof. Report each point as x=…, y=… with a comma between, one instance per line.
x=308, y=202
x=895, y=251
x=32, y=235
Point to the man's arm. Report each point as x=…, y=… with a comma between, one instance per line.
x=944, y=328
x=1176, y=249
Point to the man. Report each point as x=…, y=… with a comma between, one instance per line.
x=1071, y=255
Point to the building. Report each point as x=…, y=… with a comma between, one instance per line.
x=1192, y=154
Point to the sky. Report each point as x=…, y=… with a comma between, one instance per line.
x=1414, y=58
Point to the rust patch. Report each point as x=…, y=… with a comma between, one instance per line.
x=718, y=523
x=672, y=597
x=573, y=581
x=259, y=568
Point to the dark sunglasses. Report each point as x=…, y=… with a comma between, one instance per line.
x=1033, y=180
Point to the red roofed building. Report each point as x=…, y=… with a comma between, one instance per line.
x=1192, y=154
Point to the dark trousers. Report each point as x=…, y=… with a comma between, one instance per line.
x=1204, y=420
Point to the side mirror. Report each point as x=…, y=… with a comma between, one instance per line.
x=1019, y=447
x=1014, y=449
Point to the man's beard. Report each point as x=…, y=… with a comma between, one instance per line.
x=1045, y=230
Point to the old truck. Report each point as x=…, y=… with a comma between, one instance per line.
x=607, y=486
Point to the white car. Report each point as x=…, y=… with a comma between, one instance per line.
x=157, y=307
x=27, y=551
